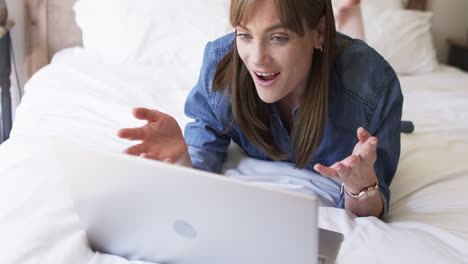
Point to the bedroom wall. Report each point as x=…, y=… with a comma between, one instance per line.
x=449, y=21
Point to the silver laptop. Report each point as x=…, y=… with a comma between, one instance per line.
x=147, y=210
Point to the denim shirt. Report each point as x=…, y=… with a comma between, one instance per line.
x=364, y=91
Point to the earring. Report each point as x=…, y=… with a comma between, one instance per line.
x=321, y=48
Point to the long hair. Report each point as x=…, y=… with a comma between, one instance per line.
x=251, y=113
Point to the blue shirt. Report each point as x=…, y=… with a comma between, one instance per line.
x=364, y=91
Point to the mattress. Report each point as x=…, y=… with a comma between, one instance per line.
x=82, y=100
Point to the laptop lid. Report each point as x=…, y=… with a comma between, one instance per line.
x=148, y=210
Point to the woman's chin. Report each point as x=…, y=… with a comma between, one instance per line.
x=268, y=98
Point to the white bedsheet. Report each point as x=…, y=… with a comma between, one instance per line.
x=80, y=100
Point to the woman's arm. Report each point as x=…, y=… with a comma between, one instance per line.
x=356, y=172
x=374, y=158
x=372, y=206
x=205, y=141
x=207, y=136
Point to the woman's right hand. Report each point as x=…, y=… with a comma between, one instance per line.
x=161, y=138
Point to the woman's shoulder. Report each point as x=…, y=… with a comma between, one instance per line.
x=224, y=43
x=354, y=51
x=214, y=52
x=218, y=48
x=361, y=70
x=202, y=94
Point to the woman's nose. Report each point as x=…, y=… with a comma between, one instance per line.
x=260, y=55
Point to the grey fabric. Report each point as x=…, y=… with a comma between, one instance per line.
x=5, y=71
x=5, y=60
x=2, y=4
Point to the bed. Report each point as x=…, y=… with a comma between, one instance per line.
x=78, y=96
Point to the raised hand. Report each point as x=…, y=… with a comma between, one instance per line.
x=357, y=170
x=161, y=138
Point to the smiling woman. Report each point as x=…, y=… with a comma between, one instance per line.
x=83, y=97
x=286, y=87
x=281, y=44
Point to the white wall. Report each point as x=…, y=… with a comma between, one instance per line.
x=450, y=20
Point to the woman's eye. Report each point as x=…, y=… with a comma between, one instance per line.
x=279, y=39
x=244, y=36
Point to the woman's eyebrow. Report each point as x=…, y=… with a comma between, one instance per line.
x=271, y=28
x=275, y=27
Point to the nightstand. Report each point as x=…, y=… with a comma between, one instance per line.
x=5, y=71
x=458, y=54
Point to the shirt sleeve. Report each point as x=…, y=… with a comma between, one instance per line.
x=206, y=136
x=386, y=126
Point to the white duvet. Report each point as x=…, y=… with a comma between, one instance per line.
x=81, y=100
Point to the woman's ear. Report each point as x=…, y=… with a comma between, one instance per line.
x=319, y=34
x=321, y=31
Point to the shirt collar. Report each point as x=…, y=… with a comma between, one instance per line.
x=274, y=110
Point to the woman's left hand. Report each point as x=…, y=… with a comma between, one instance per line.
x=356, y=171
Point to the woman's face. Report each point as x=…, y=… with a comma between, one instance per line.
x=278, y=59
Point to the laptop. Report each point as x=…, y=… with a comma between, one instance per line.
x=152, y=211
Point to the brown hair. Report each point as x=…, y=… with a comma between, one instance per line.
x=251, y=113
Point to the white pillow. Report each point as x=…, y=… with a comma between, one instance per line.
x=402, y=37
x=384, y=4
x=152, y=32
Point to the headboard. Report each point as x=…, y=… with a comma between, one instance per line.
x=51, y=27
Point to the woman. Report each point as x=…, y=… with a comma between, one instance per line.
x=286, y=87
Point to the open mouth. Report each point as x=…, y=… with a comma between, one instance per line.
x=267, y=76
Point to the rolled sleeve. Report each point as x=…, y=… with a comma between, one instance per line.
x=387, y=123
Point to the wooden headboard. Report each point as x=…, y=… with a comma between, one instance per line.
x=416, y=4
x=51, y=27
